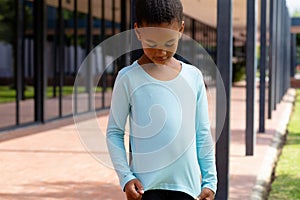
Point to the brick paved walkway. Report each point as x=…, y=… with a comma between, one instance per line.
x=49, y=161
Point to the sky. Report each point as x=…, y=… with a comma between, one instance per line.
x=293, y=5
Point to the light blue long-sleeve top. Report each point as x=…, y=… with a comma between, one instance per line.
x=170, y=136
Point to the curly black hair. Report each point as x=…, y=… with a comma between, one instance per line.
x=158, y=11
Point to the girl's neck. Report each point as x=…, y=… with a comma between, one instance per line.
x=174, y=63
x=163, y=72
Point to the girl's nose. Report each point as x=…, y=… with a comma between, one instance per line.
x=161, y=52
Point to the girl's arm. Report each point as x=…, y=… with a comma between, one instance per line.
x=119, y=111
x=204, y=142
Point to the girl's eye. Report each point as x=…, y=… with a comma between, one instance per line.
x=151, y=45
x=169, y=45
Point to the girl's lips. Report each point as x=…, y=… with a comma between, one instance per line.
x=161, y=59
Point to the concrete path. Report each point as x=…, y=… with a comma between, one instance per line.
x=50, y=162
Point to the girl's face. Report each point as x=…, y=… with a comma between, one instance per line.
x=160, y=41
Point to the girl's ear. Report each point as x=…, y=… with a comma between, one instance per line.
x=137, y=32
x=181, y=29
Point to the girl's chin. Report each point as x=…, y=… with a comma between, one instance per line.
x=160, y=60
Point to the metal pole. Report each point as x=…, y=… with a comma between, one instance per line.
x=134, y=55
x=18, y=56
x=263, y=62
x=193, y=27
x=123, y=28
x=272, y=57
x=293, y=54
x=193, y=35
x=23, y=53
x=60, y=54
x=224, y=63
x=89, y=45
x=75, y=16
x=113, y=11
x=281, y=74
x=39, y=66
x=123, y=15
x=251, y=66
x=288, y=50
x=55, y=56
x=103, y=20
x=278, y=53
x=103, y=27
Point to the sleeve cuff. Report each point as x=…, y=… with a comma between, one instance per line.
x=126, y=179
x=211, y=187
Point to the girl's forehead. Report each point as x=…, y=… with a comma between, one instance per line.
x=173, y=25
x=158, y=33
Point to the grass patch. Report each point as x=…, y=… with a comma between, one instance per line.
x=8, y=94
x=287, y=172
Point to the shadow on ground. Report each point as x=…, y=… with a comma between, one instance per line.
x=67, y=190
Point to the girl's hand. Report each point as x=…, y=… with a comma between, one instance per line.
x=206, y=194
x=134, y=190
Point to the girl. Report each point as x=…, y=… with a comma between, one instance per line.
x=166, y=102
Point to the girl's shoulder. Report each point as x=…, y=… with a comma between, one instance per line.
x=128, y=73
x=192, y=70
x=128, y=69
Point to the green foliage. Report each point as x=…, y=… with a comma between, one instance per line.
x=7, y=20
x=287, y=174
x=296, y=13
x=239, y=71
